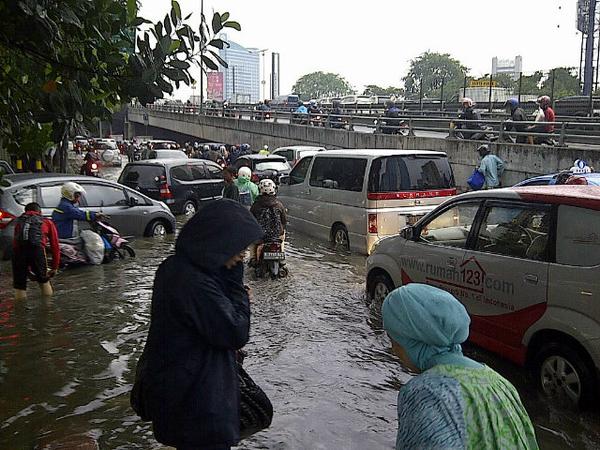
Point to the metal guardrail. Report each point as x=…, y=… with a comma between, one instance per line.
x=490, y=129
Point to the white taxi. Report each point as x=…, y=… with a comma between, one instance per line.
x=525, y=262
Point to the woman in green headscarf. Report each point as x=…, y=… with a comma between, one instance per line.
x=455, y=402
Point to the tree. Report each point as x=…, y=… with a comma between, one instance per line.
x=566, y=82
x=373, y=89
x=429, y=71
x=70, y=63
x=321, y=84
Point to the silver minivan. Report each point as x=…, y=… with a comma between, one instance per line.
x=356, y=197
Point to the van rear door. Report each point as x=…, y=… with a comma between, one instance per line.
x=410, y=184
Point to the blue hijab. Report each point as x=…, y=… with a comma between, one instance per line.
x=429, y=323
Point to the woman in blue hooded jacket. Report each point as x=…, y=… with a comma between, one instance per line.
x=455, y=402
x=186, y=379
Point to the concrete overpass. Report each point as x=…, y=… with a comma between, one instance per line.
x=523, y=161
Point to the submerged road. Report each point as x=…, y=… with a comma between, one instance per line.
x=317, y=348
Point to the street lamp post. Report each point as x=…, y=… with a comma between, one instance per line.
x=201, y=55
x=263, y=81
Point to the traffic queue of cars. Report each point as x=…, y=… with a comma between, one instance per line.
x=524, y=261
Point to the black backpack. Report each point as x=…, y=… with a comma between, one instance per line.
x=30, y=229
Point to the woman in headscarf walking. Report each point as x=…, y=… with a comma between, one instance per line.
x=455, y=402
x=187, y=380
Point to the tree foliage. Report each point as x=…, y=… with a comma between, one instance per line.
x=429, y=71
x=71, y=62
x=321, y=84
x=373, y=89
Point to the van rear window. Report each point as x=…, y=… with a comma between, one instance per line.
x=142, y=176
x=410, y=173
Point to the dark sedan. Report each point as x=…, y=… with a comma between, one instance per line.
x=264, y=166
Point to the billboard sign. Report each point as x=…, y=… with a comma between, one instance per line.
x=214, y=86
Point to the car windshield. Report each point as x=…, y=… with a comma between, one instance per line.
x=410, y=173
x=272, y=165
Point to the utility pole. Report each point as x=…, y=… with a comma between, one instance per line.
x=201, y=56
x=588, y=76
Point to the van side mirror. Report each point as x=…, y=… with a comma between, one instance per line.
x=284, y=179
x=408, y=232
x=133, y=201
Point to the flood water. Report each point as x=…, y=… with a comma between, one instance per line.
x=67, y=364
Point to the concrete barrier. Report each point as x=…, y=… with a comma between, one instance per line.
x=522, y=161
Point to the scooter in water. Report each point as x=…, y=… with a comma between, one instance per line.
x=271, y=260
x=102, y=244
x=119, y=246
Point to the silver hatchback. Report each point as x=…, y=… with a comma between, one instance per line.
x=130, y=212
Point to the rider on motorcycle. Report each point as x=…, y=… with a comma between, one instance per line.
x=471, y=115
x=335, y=119
x=66, y=213
x=391, y=116
x=90, y=164
x=270, y=214
x=516, y=115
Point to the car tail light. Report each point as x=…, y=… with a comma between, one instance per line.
x=373, y=223
x=254, y=178
x=5, y=218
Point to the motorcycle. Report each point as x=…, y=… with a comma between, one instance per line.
x=482, y=133
x=119, y=245
x=77, y=251
x=271, y=260
x=90, y=168
x=221, y=162
x=392, y=126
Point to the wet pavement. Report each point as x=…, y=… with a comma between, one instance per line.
x=67, y=364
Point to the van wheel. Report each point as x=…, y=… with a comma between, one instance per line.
x=340, y=238
x=156, y=228
x=189, y=208
x=379, y=288
x=562, y=372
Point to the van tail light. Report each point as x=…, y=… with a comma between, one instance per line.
x=254, y=178
x=5, y=219
x=373, y=223
x=165, y=191
x=408, y=195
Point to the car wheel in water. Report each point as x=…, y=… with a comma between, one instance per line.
x=189, y=208
x=340, y=238
x=563, y=373
x=283, y=272
x=379, y=288
x=156, y=228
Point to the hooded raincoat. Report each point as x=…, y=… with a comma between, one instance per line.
x=187, y=376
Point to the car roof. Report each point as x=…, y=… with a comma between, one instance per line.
x=572, y=195
x=590, y=176
x=21, y=179
x=301, y=147
x=167, y=162
x=273, y=157
x=375, y=152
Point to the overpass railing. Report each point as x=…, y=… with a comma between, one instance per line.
x=489, y=128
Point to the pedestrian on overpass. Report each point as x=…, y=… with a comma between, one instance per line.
x=454, y=402
x=491, y=167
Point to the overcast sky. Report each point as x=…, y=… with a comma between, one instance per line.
x=372, y=42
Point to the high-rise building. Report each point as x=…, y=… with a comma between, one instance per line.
x=241, y=79
x=513, y=67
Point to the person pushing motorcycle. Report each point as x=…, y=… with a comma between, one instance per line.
x=66, y=213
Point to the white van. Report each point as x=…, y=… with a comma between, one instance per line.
x=356, y=197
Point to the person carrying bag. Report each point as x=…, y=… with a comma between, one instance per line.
x=188, y=380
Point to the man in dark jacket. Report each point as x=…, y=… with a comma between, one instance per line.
x=187, y=376
x=517, y=115
x=230, y=190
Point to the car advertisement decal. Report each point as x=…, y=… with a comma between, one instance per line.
x=469, y=281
